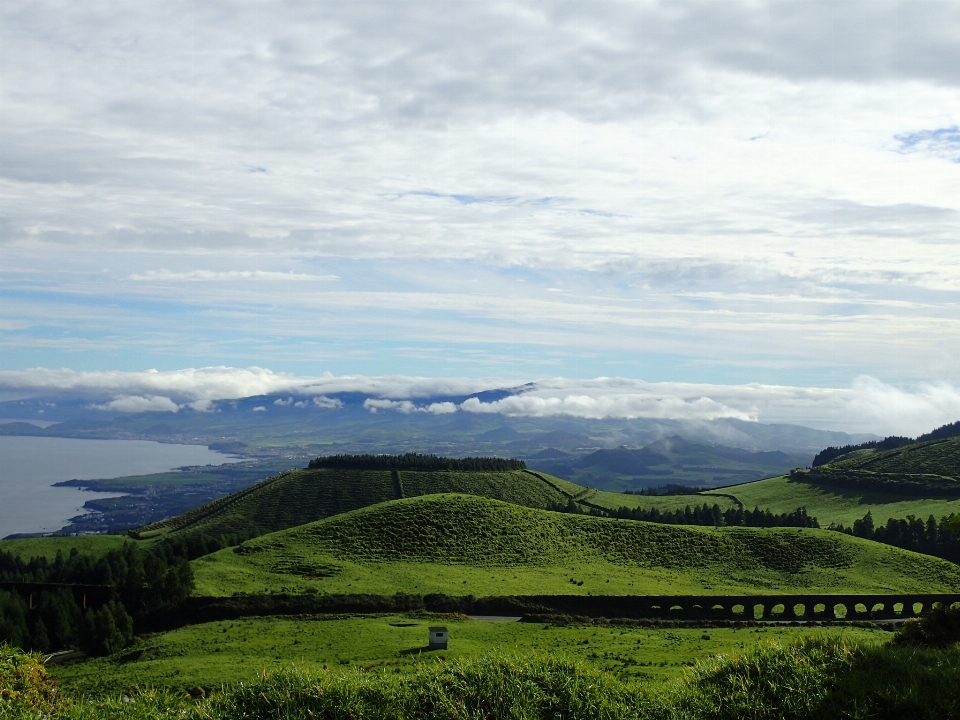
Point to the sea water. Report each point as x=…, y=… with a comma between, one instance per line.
x=29, y=466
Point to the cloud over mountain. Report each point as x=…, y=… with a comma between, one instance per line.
x=867, y=406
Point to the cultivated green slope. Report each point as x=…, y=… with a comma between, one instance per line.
x=937, y=457
x=459, y=545
x=929, y=467
x=828, y=503
x=301, y=496
x=664, y=503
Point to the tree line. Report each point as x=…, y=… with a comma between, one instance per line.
x=416, y=461
x=940, y=539
x=707, y=515
x=40, y=608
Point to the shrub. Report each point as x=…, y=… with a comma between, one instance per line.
x=939, y=627
x=821, y=679
x=24, y=683
x=491, y=688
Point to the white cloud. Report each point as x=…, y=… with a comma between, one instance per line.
x=213, y=275
x=747, y=181
x=404, y=406
x=607, y=406
x=138, y=404
x=441, y=408
x=867, y=405
x=324, y=402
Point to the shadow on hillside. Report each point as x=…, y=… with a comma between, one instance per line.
x=418, y=650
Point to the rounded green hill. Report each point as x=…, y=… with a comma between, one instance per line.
x=301, y=496
x=460, y=544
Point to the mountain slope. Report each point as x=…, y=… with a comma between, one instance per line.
x=673, y=460
x=458, y=544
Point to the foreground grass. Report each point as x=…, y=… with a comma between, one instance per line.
x=466, y=545
x=810, y=678
x=228, y=652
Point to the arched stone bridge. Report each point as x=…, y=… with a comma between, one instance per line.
x=899, y=606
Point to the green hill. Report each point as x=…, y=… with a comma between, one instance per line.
x=931, y=467
x=302, y=496
x=829, y=503
x=459, y=545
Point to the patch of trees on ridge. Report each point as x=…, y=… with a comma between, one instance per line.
x=704, y=515
x=888, y=443
x=416, y=462
x=930, y=537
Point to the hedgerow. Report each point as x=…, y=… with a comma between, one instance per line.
x=416, y=461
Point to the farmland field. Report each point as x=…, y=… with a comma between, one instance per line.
x=47, y=547
x=217, y=653
x=835, y=504
x=664, y=503
x=465, y=545
x=939, y=457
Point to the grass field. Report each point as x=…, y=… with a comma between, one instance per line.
x=218, y=653
x=48, y=546
x=939, y=457
x=835, y=504
x=465, y=545
x=665, y=503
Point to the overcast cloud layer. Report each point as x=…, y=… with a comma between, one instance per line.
x=711, y=193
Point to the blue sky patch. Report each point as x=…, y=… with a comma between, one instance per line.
x=942, y=142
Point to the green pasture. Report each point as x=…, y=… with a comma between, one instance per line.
x=166, y=479
x=466, y=545
x=664, y=503
x=219, y=653
x=938, y=457
x=834, y=504
x=48, y=547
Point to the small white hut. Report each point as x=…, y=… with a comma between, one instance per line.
x=438, y=637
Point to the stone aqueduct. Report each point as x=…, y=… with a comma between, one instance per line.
x=787, y=608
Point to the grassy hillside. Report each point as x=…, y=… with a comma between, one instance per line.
x=460, y=545
x=832, y=503
x=301, y=496
x=931, y=467
x=937, y=457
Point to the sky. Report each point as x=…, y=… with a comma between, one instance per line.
x=717, y=195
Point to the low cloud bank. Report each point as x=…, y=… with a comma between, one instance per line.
x=867, y=405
